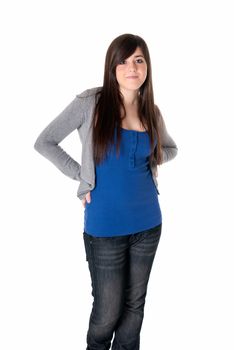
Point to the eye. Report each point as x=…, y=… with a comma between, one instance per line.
x=139, y=60
x=122, y=62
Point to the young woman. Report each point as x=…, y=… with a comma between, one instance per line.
x=124, y=139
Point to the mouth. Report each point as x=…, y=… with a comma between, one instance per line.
x=132, y=77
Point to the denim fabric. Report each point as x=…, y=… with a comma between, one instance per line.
x=120, y=268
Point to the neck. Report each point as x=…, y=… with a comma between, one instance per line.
x=130, y=97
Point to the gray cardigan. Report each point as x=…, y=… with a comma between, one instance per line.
x=78, y=115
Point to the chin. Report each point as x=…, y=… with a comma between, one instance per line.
x=132, y=87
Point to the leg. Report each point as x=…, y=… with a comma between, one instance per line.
x=107, y=264
x=142, y=251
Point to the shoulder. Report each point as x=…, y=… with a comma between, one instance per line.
x=89, y=92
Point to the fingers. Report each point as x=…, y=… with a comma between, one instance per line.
x=156, y=172
x=87, y=198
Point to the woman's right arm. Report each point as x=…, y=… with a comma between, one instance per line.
x=47, y=143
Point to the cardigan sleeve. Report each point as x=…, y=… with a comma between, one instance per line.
x=47, y=143
x=169, y=147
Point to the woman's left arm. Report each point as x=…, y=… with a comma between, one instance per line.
x=169, y=147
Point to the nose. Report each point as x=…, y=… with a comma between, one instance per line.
x=132, y=67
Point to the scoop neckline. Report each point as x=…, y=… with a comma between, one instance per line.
x=142, y=132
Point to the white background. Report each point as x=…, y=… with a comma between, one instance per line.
x=53, y=50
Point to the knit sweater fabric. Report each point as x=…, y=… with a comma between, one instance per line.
x=78, y=116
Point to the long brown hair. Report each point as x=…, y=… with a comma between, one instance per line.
x=109, y=101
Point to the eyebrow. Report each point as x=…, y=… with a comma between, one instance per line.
x=139, y=56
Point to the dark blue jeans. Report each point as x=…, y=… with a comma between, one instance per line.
x=120, y=269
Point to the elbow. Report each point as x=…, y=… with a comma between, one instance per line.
x=38, y=145
x=169, y=153
x=41, y=145
x=174, y=152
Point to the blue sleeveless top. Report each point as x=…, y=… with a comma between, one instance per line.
x=125, y=199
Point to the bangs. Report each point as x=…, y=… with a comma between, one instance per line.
x=125, y=50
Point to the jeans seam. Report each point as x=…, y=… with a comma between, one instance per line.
x=92, y=270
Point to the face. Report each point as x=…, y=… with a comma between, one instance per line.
x=132, y=72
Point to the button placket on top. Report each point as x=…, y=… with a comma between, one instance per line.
x=132, y=150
